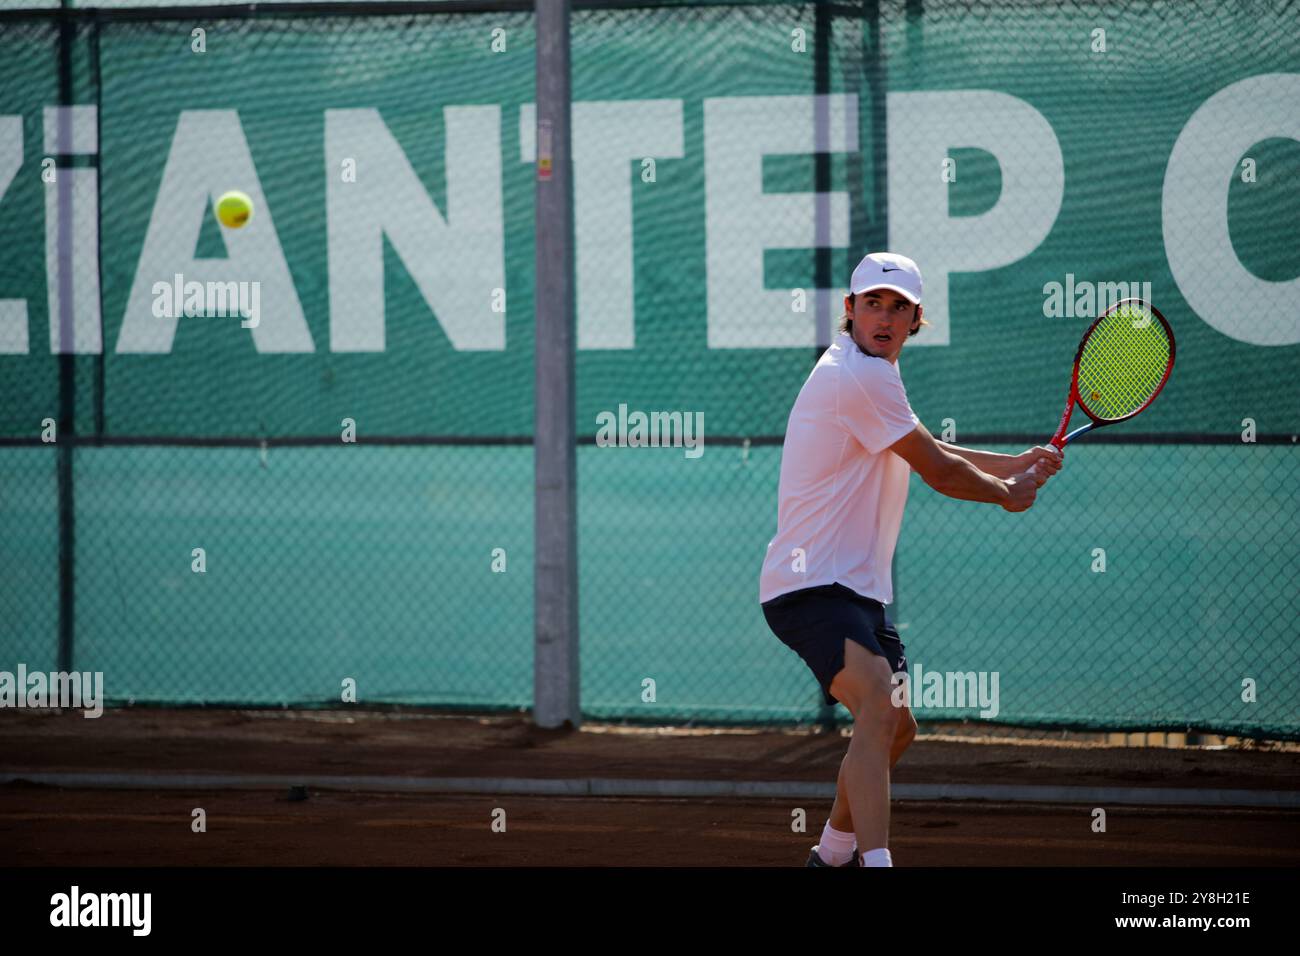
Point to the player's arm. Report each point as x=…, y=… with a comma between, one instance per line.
x=1007, y=466
x=953, y=475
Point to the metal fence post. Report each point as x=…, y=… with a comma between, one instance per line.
x=555, y=661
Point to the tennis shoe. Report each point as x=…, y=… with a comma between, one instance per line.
x=814, y=859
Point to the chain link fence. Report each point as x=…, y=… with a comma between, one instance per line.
x=732, y=163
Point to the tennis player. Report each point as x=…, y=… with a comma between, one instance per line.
x=850, y=444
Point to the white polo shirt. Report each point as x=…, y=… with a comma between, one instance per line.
x=842, y=491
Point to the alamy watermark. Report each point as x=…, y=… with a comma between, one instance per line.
x=951, y=690
x=70, y=690
x=75, y=908
x=651, y=430
x=1087, y=300
x=177, y=298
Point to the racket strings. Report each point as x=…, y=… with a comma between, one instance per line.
x=1122, y=367
x=1123, y=362
x=1120, y=378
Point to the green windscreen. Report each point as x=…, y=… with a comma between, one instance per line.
x=732, y=163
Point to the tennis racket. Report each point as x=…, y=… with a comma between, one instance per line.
x=1122, y=363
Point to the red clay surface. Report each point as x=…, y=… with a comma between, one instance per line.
x=50, y=826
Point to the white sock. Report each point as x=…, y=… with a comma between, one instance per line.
x=835, y=848
x=879, y=857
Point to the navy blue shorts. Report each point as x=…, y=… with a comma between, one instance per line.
x=813, y=622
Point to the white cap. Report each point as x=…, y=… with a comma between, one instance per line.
x=888, y=270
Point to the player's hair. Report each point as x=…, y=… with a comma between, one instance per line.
x=846, y=320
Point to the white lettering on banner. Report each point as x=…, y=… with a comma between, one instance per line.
x=923, y=127
x=208, y=156
x=72, y=259
x=607, y=138
x=1195, y=215
x=456, y=260
x=13, y=312
x=456, y=256
x=741, y=221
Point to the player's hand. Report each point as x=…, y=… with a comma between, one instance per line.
x=1024, y=489
x=1042, y=461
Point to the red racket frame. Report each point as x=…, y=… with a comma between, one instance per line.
x=1061, y=439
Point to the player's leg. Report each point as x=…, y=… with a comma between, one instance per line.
x=841, y=817
x=813, y=623
x=837, y=844
x=904, y=736
x=891, y=645
x=865, y=688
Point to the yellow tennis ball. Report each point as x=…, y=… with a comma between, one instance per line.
x=234, y=209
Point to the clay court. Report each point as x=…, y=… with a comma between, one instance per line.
x=299, y=788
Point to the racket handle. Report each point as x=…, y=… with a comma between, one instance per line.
x=1050, y=443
